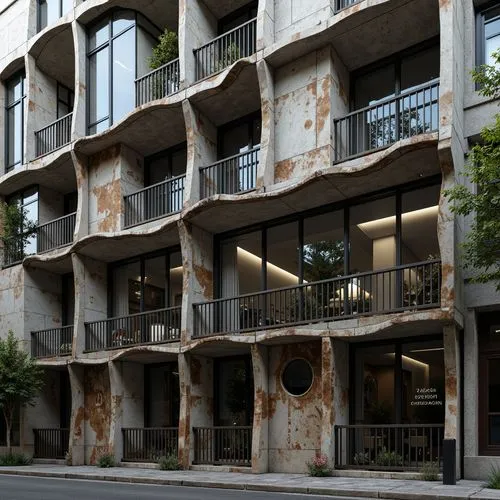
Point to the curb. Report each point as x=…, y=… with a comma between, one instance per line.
x=271, y=488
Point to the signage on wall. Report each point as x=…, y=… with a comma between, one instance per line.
x=426, y=396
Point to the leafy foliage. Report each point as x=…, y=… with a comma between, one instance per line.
x=17, y=229
x=170, y=462
x=106, y=461
x=494, y=479
x=430, y=471
x=15, y=459
x=167, y=49
x=319, y=466
x=481, y=248
x=323, y=260
x=20, y=379
x=389, y=459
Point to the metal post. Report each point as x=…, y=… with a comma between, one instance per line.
x=449, y=461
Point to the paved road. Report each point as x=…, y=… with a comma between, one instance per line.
x=35, y=488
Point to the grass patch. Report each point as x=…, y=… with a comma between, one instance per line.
x=430, y=471
x=494, y=479
x=170, y=462
x=14, y=459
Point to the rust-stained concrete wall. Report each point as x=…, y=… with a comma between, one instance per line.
x=97, y=412
x=12, y=301
x=302, y=99
x=294, y=422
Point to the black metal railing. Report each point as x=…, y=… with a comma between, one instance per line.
x=388, y=447
x=162, y=325
x=159, y=83
x=233, y=175
x=53, y=136
x=14, y=251
x=149, y=444
x=155, y=201
x=56, y=233
x=52, y=342
x=51, y=443
x=223, y=445
x=414, y=112
x=406, y=287
x=226, y=49
x=343, y=4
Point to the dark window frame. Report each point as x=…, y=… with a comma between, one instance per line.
x=397, y=192
x=166, y=252
x=110, y=16
x=480, y=31
x=249, y=119
x=20, y=76
x=165, y=153
x=242, y=11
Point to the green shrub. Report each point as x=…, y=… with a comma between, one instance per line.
x=167, y=49
x=106, y=460
x=170, y=462
x=389, y=458
x=14, y=459
x=361, y=458
x=319, y=466
x=494, y=479
x=430, y=471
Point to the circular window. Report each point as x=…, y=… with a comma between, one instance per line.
x=297, y=377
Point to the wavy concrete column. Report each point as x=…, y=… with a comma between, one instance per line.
x=265, y=171
x=334, y=390
x=201, y=136
x=79, y=313
x=452, y=420
x=76, y=445
x=260, y=433
x=197, y=26
x=79, y=122
x=197, y=401
x=29, y=108
x=265, y=24
x=198, y=280
x=80, y=164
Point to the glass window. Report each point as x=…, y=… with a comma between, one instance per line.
x=121, y=21
x=127, y=289
x=493, y=401
x=297, y=377
x=169, y=163
x=491, y=23
x=99, y=34
x=15, y=121
x=50, y=11
x=374, y=86
x=164, y=397
x=239, y=137
x=99, y=86
x=419, y=68
x=65, y=100
x=282, y=267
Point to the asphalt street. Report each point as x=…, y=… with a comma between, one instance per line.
x=35, y=488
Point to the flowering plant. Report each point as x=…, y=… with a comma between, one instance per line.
x=319, y=466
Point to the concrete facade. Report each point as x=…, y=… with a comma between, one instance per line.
x=299, y=80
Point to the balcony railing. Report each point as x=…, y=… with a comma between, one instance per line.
x=343, y=4
x=223, y=445
x=233, y=175
x=414, y=112
x=52, y=342
x=162, y=325
x=149, y=444
x=226, y=49
x=158, y=83
x=56, y=233
x=401, y=288
x=51, y=443
x=155, y=201
x=388, y=447
x=53, y=136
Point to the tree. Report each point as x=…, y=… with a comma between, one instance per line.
x=21, y=379
x=481, y=247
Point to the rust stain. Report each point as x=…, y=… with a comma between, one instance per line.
x=108, y=199
x=311, y=87
x=80, y=415
x=205, y=279
x=31, y=105
x=444, y=3
x=308, y=124
x=97, y=402
x=451, y=386
x=283, y=170
x=323, y=105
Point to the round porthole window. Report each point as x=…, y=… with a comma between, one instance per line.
x=297, y=377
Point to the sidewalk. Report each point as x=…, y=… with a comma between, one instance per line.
x=287, y=483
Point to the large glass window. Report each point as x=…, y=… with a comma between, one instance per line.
x=488, y=35
x=165, y=165
x=15, y=120
x=50, y=11
x=163, y=396
x=114, y=44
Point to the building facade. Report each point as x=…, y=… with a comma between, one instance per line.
x=245, y=257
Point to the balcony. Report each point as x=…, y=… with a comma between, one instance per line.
x=223, y=445
x=376, y=127
x=402, y=288
x=52, y=342
x=234, y=175
x=51, y=443
x=55, y=234
x=53, y=136
x=157, y=84
x=388, y=447
x=343, y=4
x=149, y=444
x=154, y=202
x=153, y=327
x=226, y=49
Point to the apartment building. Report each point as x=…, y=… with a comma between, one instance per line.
x=244, y=257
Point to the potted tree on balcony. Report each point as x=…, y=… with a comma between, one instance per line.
x=166, y=51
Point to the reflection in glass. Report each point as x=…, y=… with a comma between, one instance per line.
x=123, y=74
x=99, y=88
